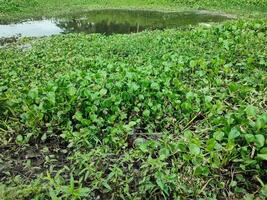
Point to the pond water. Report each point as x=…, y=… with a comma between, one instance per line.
x=107, y=22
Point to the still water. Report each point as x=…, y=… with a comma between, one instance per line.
x=107, y=22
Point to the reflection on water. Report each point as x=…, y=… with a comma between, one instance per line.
x=31, y=29
x=107, y=22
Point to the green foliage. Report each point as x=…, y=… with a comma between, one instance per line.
x=158, y=114
x=16, y=5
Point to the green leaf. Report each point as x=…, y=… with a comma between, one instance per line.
x=51, y=98
x=72, y=91
x=143, y=147
x=79, y=116
x=251, y=110
x=188, y=134
x=249, y=138
x=84, y=192
x=103, y=92
x=262, y=156
x=52, y=194
x=146, y=113
x=19, y=138
x=160, y=182
x=218, y=135
x=133, y=86
x=33, y=93
x=249, y=197
x=190, y=95
x=234, y=133
x=106, y=185
x=208, y=99
x=201, y=171
x=233, y=87
x=260, y=123
x=181, y=146
x=194, y=149
x=155, y=86
x=264, y=190
x=44, y=137
x=211, y=144
x=164, y=153
x=263, y=150
x=139, y=141
x=259, y=140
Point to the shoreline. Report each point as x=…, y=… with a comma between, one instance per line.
x=37, y=12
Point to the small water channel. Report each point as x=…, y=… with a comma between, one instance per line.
x=106, y=22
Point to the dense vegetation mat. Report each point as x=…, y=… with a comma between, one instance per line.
x=164, y=114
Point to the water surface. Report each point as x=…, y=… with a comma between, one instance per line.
x=107, y=22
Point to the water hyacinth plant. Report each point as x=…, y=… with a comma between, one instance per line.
x=173, y=114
